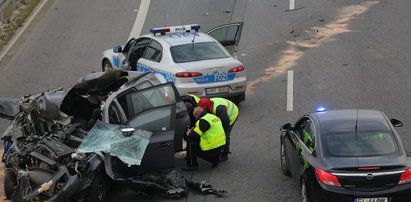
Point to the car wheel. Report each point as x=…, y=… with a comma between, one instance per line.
x=99, y=190
x=106, y=65
x=284, y=161
x=309, y=193
x=10, y=182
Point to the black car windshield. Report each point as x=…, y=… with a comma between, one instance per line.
x=360, y=144
x=198, y=51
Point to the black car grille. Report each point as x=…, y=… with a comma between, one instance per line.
x=376, y=183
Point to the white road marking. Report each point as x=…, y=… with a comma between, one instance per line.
x=141, y=17
x=20, y=32
x=290, y=83
x=292, y=5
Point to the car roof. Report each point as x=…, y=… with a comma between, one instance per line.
x=337, y=121
x=176, y=39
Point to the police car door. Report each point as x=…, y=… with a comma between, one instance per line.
x=119, y=60
x=135, y=52
x=151, y=59
x=228, y=35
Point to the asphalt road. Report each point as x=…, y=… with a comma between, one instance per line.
x=344, y=54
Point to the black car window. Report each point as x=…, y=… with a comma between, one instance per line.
x=137, y=51
x=154, y=52
x=309, y=135
x=113, y=114
x=360, y=144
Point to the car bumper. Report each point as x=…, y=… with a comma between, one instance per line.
x=236, y=87
x=398, y=193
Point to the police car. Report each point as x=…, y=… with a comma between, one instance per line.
x=198, y=63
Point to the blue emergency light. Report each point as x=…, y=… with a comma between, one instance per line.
x=321, y=109
x=183, y=28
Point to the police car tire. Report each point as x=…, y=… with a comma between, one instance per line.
x=106, y=65
x=10, y=182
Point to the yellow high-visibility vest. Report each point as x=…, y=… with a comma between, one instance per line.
x=232, y=109
x=214, y=137
x=196, y=98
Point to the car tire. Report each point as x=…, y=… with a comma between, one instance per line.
x=106, y=65
x=99, y=190
x=309, y=193
x=10, y=181
x=284, y=162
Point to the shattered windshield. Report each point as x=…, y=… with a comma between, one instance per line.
x=108, y=138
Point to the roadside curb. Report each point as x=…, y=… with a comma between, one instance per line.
x=20, y=31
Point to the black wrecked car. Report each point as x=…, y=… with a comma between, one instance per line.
x=346, y=155
x=113, y=126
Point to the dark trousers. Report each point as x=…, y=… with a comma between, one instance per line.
x=226, y=149
x=194, y=151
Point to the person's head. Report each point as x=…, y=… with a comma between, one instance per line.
x=189, y=107
x=206, y=104
x=197, y=112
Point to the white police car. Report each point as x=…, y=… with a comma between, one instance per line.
x=196, y=62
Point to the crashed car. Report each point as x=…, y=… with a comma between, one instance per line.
x=113, y=126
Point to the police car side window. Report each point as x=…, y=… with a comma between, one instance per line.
x=154, y=51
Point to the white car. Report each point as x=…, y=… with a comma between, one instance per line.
x=196, y=62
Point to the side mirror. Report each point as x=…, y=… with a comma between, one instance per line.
x=396, y=122
x=285, y=127
x=117, y=49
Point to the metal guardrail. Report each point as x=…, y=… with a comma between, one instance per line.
x=3, y=5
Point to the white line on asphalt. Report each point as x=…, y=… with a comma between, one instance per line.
x=141, y=17
x=20, y=32
x=290, y=78
x=292, y=5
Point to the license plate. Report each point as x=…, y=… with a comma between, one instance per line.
x=371, y=200
x=219, y=90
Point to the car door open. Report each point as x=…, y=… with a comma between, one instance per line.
x=228, y=35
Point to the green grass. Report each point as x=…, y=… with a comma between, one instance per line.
x=12, y=20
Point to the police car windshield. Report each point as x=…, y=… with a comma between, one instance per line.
x=360, y=144
x=198, y=51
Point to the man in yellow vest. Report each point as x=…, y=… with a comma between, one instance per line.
x=227, y=111
x=205, y=140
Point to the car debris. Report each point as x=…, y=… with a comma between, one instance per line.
x=71, y=146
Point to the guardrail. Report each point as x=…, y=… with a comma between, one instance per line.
x=3, y=5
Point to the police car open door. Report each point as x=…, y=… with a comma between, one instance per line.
x=158, y=109
x=228, y=35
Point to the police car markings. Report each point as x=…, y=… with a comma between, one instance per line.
x=217, y=77
x=168, y=76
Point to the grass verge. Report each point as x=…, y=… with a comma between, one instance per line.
x=14, y=18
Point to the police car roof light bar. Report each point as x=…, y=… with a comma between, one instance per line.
x=183, y=28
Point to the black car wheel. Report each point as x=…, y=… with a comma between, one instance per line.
x=9, y=183
x=284, y=161
x=106, y=65
x=309, y=193
x=99, y=190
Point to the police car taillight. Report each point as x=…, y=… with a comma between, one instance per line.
x=182, y=28
x=188, y=74
x=405, y=177
x=327, y=178
x=236, y=69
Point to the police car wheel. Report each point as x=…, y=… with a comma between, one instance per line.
x=106, y=65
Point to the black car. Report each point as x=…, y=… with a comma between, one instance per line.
x=346, y=155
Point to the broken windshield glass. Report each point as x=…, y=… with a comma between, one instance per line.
x=108, y=138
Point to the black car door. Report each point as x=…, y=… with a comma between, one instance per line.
x=157, y=109
x=299, y=147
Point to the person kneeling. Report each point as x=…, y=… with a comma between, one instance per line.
x=205, y=140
